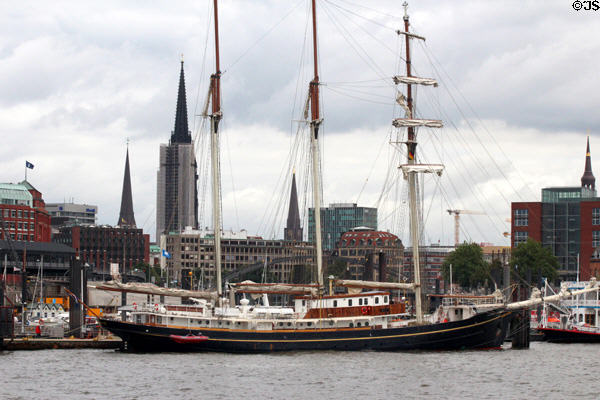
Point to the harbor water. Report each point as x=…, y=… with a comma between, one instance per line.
x=545, y=371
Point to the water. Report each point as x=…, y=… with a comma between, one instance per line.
x=547, y=371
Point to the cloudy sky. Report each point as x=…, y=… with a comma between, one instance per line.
x=518, y=95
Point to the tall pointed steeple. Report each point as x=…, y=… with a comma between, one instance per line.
x=181, y=134
x=588, y=180
x=126, y=217
x=293, y=230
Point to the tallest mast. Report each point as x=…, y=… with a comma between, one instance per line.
x=411, y=145
x=215, y=117
x=314, y=145
x=412, y=168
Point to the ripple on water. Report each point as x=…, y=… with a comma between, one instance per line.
x=544, y=371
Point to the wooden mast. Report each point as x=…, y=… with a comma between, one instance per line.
x=215, y=117
x=411, y=145
x=314, y=144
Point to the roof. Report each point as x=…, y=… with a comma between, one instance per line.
x=38, y=247
x=19, y=194
x=28, y=185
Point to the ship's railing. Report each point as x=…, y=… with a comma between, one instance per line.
x=468, y=300
x=581, y=303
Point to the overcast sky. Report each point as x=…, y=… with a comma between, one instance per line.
x=518, y=94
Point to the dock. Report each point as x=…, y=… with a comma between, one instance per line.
x=47, y=344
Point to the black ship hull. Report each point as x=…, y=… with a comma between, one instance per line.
x=569, y=336
x=483, y=331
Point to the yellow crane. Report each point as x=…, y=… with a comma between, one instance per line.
x=457, y=214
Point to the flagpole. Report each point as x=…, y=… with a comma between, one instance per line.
x=25, y=170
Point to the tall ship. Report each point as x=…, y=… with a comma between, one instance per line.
x=364, y=318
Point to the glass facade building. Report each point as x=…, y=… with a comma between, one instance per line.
x=339, y=218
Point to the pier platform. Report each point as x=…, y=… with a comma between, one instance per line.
x=45, y=344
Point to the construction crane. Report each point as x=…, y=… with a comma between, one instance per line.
x=457, y=214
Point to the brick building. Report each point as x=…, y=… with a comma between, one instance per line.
x=193, y=250
x=23, y=213
x=567, y=221
x=371, y=254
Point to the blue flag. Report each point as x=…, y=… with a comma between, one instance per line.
x=166, y=254
x=28, y=165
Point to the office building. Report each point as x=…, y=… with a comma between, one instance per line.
x=193, y=250
x=566, y=220
x=70, y=214
x=23, y=214
x=339, y=218
x=177, y=197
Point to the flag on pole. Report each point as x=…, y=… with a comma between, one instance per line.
x=166, y=254
x=28, y=165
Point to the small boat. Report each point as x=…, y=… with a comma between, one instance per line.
x=188, y=339
x=575, y=320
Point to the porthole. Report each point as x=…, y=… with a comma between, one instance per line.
x=367, y=323
x=309, y=324
x=289, y=324
x=351, y=325
x=357, y=324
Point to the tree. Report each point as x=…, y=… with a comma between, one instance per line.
x=530, y=261
x=337, y=268
x=469, y=269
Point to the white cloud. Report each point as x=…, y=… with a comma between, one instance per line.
x=79, y=78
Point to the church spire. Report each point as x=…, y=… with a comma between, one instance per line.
x=588, y=180
x=293, y=230
x=181, y=134
x=126, y=217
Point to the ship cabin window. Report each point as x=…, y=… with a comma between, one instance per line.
x=309, y=324
x=138, y=319
x=358, y=324
x=376, y=300
x=351, y=325
x=350, y=302
x=360, y=302
x=580, y=317
x=335, y=303
x=303, y=302
x=159, y=320
x=366, y=301
x=385, y=299
x=367, y=323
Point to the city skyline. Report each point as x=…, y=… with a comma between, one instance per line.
x=531, y=80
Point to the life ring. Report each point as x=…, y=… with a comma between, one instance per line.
x=365, y=310
x=156, y=307
x=135, y=306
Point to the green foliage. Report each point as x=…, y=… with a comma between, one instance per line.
x=337, y=268
x=469, y=270
x=303, y=274
x=530, y=259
